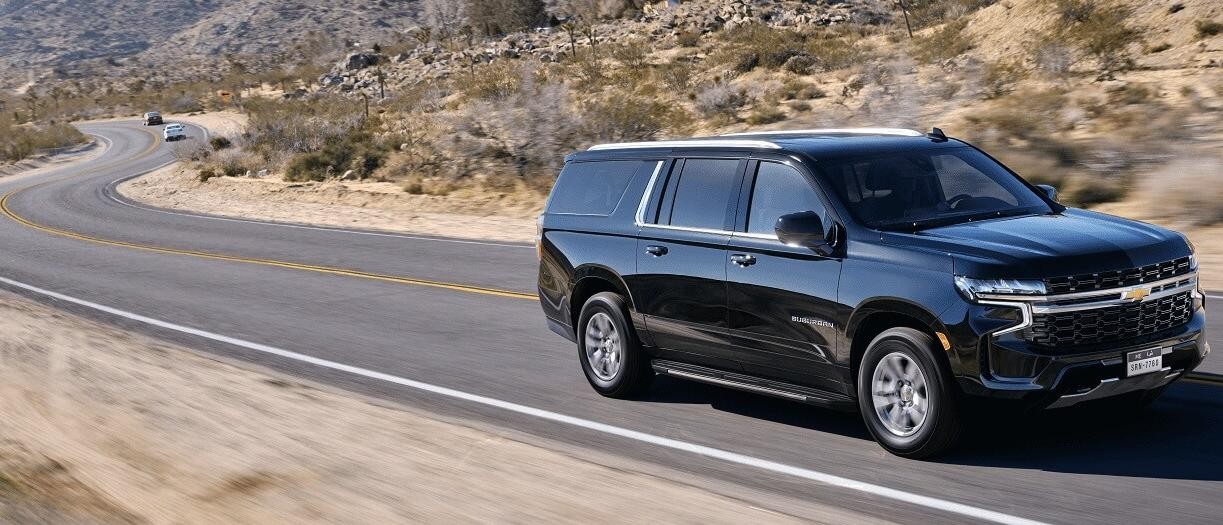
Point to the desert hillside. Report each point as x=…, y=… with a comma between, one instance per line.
x=178, y=39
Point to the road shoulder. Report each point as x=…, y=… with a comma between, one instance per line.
x=114, y=427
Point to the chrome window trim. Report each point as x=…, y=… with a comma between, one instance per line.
x=762, y=144
x=902, y=132
x=645, y=197
x=687, y=229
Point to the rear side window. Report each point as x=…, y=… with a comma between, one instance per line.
x=703, y=193
x=592, y=188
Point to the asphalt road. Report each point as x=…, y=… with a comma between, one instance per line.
x=451, y=327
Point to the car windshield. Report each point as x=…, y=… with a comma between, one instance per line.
x=921, y=189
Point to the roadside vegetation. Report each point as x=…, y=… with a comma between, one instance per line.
x=19, y=141
x=1076, y=97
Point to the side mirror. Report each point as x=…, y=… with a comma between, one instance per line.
x=1050, y=191
x=805, y=229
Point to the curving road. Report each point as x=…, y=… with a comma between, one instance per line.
x=453, y=327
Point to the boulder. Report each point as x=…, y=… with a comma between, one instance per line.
x=358, y=61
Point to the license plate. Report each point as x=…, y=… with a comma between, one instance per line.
x=1144, y=361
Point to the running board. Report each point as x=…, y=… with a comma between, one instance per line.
x=754, y=384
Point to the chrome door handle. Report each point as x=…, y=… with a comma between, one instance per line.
x=742, y=260
x=655, y=250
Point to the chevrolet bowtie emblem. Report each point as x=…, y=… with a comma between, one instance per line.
x=1136, y=294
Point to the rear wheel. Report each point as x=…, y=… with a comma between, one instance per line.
x=906, y=398
x=611, y=355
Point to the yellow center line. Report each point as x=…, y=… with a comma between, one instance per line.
x=4, y=207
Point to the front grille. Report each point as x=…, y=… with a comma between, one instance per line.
x=1127, y=322
x=1117, y=278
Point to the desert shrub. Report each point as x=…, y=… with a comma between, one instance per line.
x=766, y=115
x=1130, y=94
x=676, y=76
x=191, y=151
x=688, y=38
x=835, y=52
x=720, y=100
x=634, y=54
x=19, y=142
x=232, y=162
x=749, y=46
x=999, y=78
x=627, y=117
x=926, y=13
x=496, y=80
x=280, y=129
x=794, y=89
x=944, y=43
x=357, y=151
x=1207, y=28
x=205, y=174
x=219, y=142
x=1088, y=190
x=1102, y=32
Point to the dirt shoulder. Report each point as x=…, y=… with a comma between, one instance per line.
x=100, y=425
x=385, y=206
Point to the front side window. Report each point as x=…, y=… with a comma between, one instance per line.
x=703, y=193
x=917, y=189
x=779, y=190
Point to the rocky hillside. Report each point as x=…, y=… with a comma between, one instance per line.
x=178, y=38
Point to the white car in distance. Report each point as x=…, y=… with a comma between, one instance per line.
x=173, y=132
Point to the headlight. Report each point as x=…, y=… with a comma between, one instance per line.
x=974, y=288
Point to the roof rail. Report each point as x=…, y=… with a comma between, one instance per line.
x=712, y=143
x=847, y=131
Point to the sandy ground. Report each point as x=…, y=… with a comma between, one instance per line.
x=367, y=205
x=100, y=425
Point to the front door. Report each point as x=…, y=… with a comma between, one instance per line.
x=782, y=299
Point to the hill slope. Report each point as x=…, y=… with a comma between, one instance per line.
x=76, y=37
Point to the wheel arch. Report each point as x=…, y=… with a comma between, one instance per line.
x=876, y=315
x=591, y=279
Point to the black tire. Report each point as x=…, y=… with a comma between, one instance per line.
x=941, y=426
x=633, y=375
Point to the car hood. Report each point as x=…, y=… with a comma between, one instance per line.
x=1068, y=243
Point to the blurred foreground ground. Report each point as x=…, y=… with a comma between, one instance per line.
x=100, y=425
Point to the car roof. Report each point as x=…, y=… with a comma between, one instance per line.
x=815, y=143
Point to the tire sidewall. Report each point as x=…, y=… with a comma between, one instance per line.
x=613, y=306
x=917, y=347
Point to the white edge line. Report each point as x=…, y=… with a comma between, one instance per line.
x=1219, y=297
x=702, y=450
x=112, y=188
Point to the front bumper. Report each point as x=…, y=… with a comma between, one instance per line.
x=1040, y=379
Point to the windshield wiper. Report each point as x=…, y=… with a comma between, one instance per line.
x=935, y=222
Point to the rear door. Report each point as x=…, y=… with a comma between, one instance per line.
x=782, y=299
x=681, y=253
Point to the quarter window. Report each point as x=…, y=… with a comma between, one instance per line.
x=593, y=188
x=779, y=190
x=703, y=193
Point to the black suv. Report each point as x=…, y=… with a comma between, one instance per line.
x=889, y=271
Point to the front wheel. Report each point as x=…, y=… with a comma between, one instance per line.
x=611, y=355
x=907, y=399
